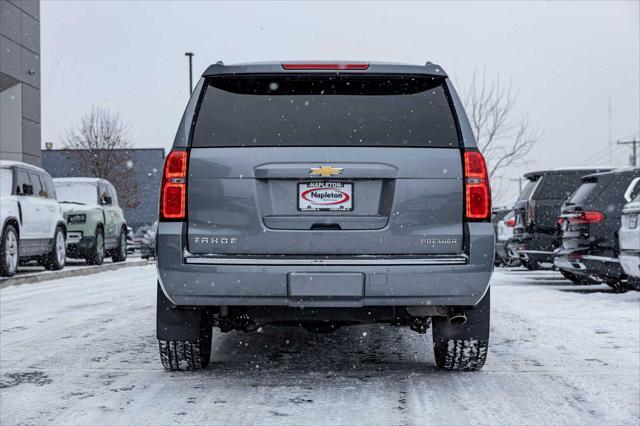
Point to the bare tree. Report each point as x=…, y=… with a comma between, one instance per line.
x=102, y=140
x=504, y=137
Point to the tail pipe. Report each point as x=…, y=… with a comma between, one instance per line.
x=457, y=317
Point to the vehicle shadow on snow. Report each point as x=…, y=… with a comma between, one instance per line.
x=590, y=289
x=555, y=279
x=292, y=353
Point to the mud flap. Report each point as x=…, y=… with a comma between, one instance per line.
x=476, y=327
x=175, y=323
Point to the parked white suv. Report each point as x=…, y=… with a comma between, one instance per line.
x=33, y=227
x=629, y=237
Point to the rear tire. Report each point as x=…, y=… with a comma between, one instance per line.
x=577, y=278
x=184, y=335
x=633, y=283
x=177, y=355
x=536, y=266
x=618, y=285
x=96, y=253
x=120, y=253
x=9, y=252
x=57, y=258
x=463, y=347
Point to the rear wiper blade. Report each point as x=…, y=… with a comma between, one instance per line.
x=73, y=202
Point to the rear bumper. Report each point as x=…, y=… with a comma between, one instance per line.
x=583, y=263
x=278, y=281
x=533, y=247
x=630, y=263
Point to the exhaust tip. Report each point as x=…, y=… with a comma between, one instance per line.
x=458, y=319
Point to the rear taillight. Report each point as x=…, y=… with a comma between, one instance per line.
x=531, y=212
x=173, y=195
x=510, y=223
x=586, y=217
x=477, y=191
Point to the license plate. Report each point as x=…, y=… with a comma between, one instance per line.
x=633, y=221
x=325, y=196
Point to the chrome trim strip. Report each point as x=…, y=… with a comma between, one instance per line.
x=536, y=252
x=602, y=258
x=450, y=260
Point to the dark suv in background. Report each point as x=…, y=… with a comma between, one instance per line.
x=536, y=233
x=590, y=221
x=321, y=195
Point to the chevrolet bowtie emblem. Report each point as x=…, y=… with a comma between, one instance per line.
x=325, y=171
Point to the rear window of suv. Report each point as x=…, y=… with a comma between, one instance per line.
x=527, y=190
x=583, y=193
x=558, y=186
x=245, y=111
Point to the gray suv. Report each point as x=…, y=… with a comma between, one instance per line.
x=321, y=195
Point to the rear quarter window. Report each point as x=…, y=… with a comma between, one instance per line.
x=49, y=187
x=245, y=111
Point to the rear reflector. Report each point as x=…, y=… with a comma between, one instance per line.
x=173, y=195
x=324, y=66
x=477, y=190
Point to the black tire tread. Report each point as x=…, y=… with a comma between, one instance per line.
x=4, y=272
x=49, y=260
x=578, y=279
x=92, y=258
x=115, y=255
x=462, y=355
x=179, y=355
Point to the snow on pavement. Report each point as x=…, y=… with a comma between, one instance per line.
x=83, y=351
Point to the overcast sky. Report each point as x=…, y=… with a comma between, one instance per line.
x=566, y=59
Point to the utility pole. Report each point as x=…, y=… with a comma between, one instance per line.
x=634, y=149
x=190, y=55
x=519, y=183
x=610, y=140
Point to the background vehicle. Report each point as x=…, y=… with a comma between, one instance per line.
x=504, y=221
x=33, y=227
x=137, y=237
x=536, y=234
x=629, y=237
x=96, y=224
x=590, y=222
x=148, y=243
x=130, y=234
x=292, y=201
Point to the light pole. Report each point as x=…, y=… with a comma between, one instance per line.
x=190, y=55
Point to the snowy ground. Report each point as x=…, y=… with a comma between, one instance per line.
x=83, y=351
